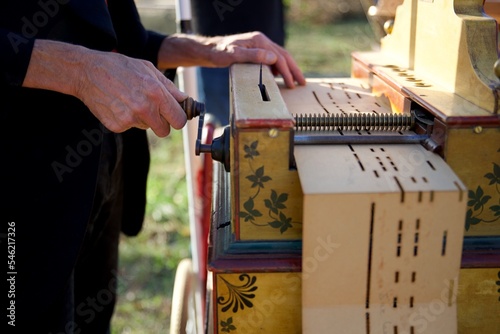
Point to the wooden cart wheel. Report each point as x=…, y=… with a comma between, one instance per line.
x=182, y=298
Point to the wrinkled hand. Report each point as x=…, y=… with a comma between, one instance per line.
x=123, y=93
x=255, y=47
x=222, y=51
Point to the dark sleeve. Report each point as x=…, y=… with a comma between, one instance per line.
x=211, y=18
x=133, y=39
x=15, y=54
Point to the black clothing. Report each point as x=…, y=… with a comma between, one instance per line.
x=56, y=157
x=223, y=17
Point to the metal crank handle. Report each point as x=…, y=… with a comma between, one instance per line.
x=192, y=107
x=219, y=148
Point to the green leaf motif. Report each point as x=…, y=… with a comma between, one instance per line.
x=258, y=179
x=276, y=203
x=275, y=224
x=251, y=213
x=495, y=209
x=495, y=176
x=246, y=216
x=470, y=220
x=227, y=326
x=270, y=206
x=279, y=200
x=251, y=151
x=477, y=199
x=284, y=223
x=498, y=283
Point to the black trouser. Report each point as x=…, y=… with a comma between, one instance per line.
x=96, y=273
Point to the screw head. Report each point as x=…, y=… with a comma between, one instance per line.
x=273, y=133
x=496, y=68
x=388, y=26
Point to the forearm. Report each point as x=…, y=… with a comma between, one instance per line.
x=222, y=51
x=55, y=66
x=120, y=91
x=185, y=50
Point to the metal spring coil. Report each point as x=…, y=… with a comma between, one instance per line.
x=356, y=122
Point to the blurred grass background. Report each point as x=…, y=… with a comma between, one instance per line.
x=321, y=34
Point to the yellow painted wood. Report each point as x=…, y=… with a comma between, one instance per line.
x=473, y=154
x=424, y=90
x=449, y=42
x=265, y=178
x=399, y=102
x=471, y=151
x=479, y=301
x=265, y=303
x=267, y=195
x=400, y=44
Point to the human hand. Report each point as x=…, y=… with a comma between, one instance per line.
x=256, y=47
x=124, y=92
x=121, y=92
x=223, y=51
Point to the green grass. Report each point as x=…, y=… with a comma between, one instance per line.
x=326, y=50
x=148, y=262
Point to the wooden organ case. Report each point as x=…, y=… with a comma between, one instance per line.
x=368, y=204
